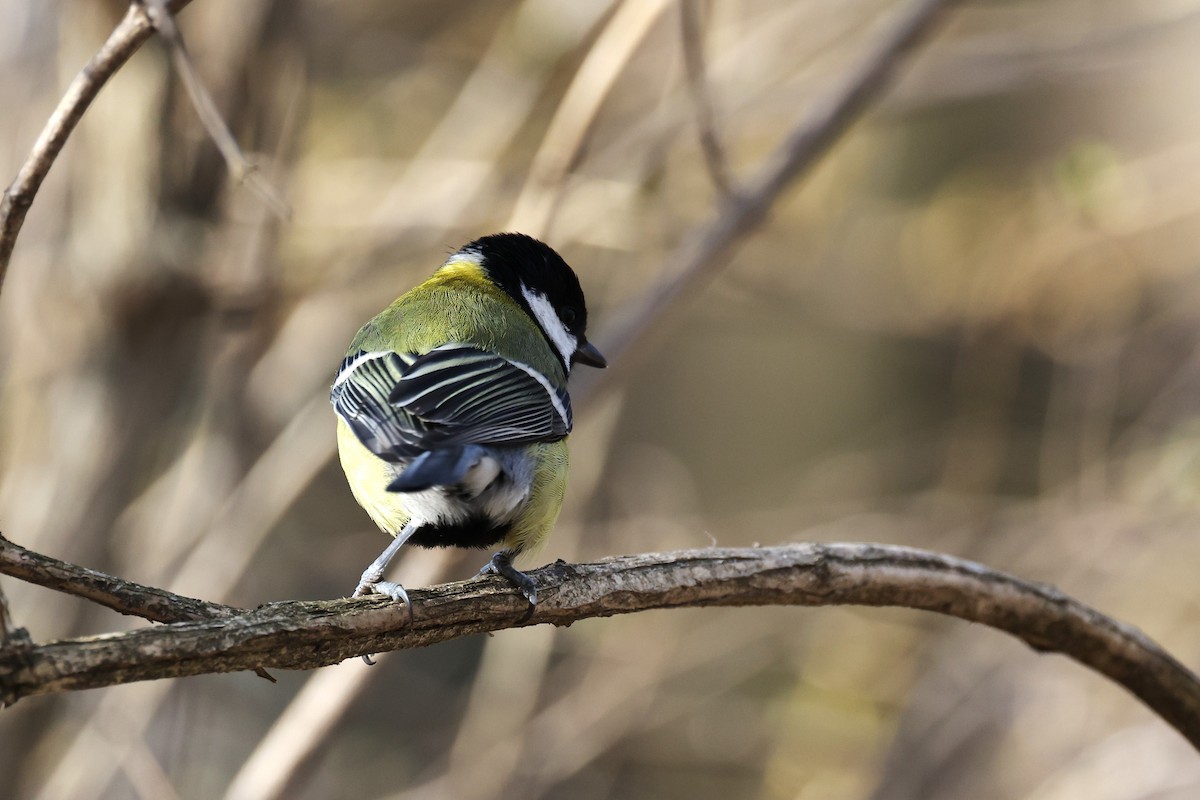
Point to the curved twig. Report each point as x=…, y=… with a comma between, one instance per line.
x=240, y=168
x=130, y=34
x=139, y=24
x=303, y=635
x=691, y=37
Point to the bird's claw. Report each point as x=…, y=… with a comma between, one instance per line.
x=386, y=588
x=501, y=564
x=370, y=584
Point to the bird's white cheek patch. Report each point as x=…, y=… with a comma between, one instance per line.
x=547, y=317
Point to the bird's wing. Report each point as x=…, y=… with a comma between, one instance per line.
x=400, y=405
x=360, y=397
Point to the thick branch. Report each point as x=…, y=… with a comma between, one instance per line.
x=303, y=635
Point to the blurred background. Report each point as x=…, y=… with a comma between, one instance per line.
x=973, y=328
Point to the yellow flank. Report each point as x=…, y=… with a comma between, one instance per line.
x=532, y=528
x=369, y=476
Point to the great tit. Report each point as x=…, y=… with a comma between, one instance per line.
x=453, y=410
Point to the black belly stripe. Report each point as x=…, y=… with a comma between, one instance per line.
x=476, y=531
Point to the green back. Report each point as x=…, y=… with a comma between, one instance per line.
x=458, y=304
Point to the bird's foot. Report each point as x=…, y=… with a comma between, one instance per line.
x=501, y=564
x=370, y=583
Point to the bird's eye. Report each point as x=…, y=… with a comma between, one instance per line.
x=569, y=315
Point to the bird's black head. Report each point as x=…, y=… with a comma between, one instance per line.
x=538, y=279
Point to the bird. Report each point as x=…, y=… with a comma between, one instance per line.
x=453, y=411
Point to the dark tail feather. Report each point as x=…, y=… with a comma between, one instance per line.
x=436, y=468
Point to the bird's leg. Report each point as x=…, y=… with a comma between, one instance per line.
x=372, y=581
x=501, y=564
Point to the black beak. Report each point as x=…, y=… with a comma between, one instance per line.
x=587, y=353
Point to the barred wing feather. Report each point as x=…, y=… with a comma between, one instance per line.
x=402, y=405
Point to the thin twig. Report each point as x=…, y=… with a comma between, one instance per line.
x=132, y=31
x=126, y=597
x=692, y=39
x=705, y=251
x=303, y=635
x=130, y=34
x=239, y=166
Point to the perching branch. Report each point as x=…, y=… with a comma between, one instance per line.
x=304, y=635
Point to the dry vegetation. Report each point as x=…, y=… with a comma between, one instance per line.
x=973, y=329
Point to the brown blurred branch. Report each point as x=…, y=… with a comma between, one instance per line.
x=692, y=40
x=141, y=20
x=700, y=256
x=304, y=635
x=133, y=30
x=577, y=110
x=242, y=170
x=120, y=595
